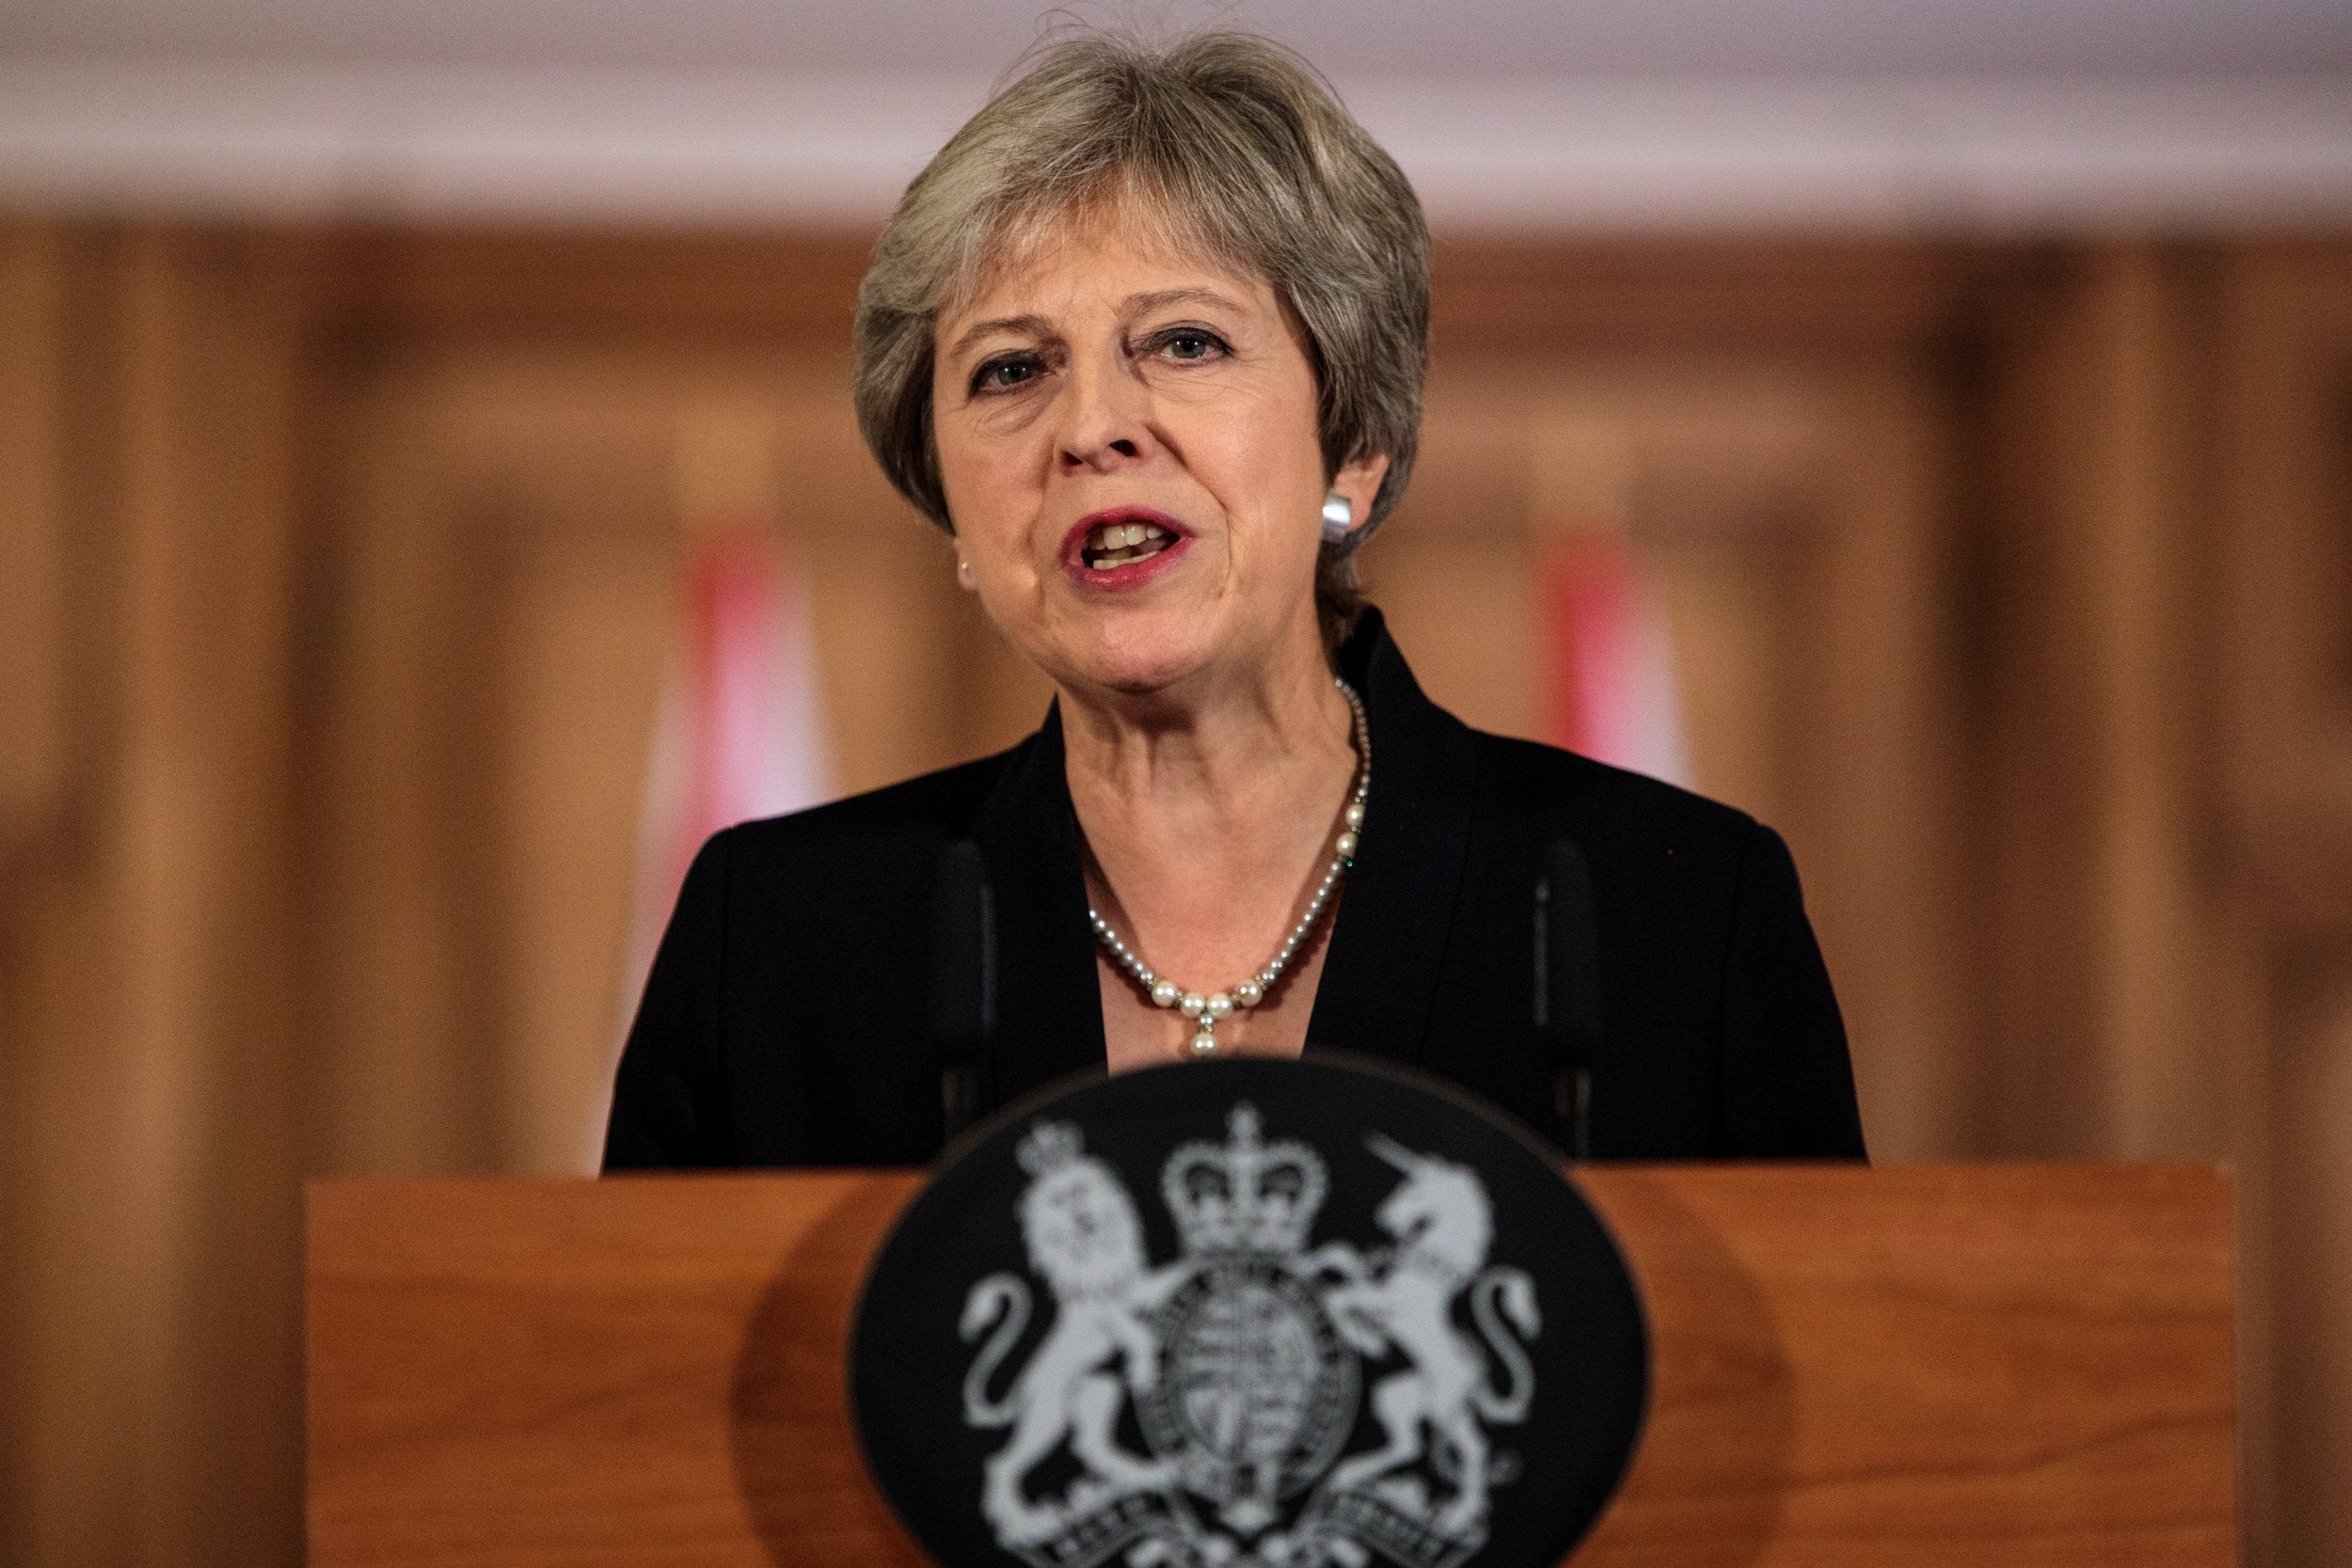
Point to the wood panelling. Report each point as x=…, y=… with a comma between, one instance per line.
x=2006, y=579
x=2278, y=861
x=36, y=598
x=2283, y=494
x=151, y=969
x=1778, y=297
x=1928, y=1367
x=2098, y=718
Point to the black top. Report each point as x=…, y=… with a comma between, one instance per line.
x=785, y=1021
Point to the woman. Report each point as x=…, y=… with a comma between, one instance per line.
x=1147, y=341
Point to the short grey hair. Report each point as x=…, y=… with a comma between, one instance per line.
x=1230, y=146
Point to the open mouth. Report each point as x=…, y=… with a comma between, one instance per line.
x=1110, y=545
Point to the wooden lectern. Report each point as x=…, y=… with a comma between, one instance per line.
x=2001, y=1366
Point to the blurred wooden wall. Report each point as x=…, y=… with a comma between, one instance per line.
x=2011, y=581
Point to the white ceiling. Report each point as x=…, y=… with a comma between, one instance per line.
x=1371, y=37
x=1572, y=115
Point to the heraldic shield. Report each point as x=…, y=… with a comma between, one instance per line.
x=1249, y=1314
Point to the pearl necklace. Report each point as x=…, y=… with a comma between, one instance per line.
x=1209, y=1010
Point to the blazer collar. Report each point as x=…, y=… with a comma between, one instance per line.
x=1396, y=908
x=1386, y=947
x=1049, y=1006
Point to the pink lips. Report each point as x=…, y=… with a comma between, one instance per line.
x=1135, y=574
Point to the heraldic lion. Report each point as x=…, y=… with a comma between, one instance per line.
x=1086, y=1239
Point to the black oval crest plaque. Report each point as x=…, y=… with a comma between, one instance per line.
x=1249, y=1314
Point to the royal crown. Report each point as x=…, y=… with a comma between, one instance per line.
x=1243, y=1194
x=1050, y=1145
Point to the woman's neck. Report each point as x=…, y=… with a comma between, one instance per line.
x=1208, y=814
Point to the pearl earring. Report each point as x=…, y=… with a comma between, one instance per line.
x=1339, y=515
x=963, y=569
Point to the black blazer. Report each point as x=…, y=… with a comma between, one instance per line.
x=785, y=1020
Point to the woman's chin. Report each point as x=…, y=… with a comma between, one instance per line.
x=1143, y=648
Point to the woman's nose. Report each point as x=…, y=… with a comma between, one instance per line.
x=1105, y=421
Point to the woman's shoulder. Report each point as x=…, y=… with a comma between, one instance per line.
x=920, y=812
x=1606, y=808
x=1529, y=794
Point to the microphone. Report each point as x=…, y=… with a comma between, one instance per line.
x=963, y=981
x=1568, y=987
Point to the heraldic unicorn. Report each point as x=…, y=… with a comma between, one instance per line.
x=1243, y=1364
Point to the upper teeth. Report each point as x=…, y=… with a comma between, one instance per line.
x=1118, y=536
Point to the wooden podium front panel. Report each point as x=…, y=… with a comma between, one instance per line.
x=1969, y=1367
x=1956, y=1366
x=644, y=1371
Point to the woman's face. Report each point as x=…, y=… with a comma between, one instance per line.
x=1127, y=441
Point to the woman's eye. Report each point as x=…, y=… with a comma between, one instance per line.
x=1186, y=344
x=1189, y=345
x=999, y=376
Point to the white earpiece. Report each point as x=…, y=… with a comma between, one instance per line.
x=1339, y=515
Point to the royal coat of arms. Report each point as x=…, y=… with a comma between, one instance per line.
x=1211, y=1411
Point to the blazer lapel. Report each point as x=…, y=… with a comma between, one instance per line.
x=1380, y=975
x=1049, y=1008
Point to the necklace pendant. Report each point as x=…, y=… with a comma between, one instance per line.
x=1204, y=1043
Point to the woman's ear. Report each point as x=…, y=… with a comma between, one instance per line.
x=1357, y=483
